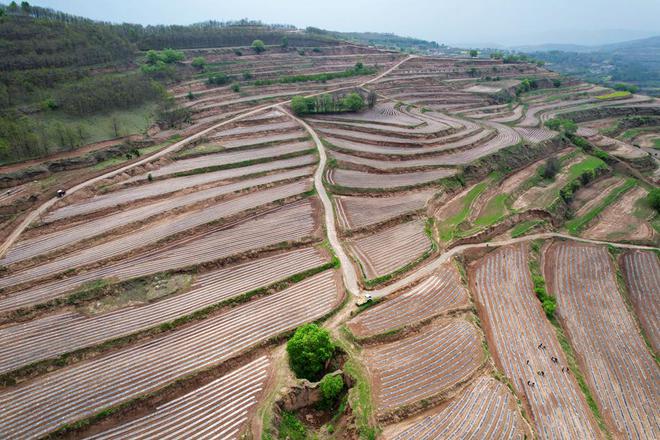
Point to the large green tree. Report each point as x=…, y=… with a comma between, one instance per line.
x=309, y=349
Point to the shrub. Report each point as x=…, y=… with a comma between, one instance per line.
x=556, y=82
x=551, y=168
x=331, y=386
x=258, y=46
x=238, y=52
x=317, y=50
x=190, y=96
x=247, y=75
x=236, y=87
x=654, y=199
x=199, y=63
x=560, y=124
x=474, y=53
x=309, y=349
x=285, y=42
x=291, y=428
x=219, y=79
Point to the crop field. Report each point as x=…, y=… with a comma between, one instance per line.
x=219, y=409
x=360, y=212
x=107, y=381
x=390, y=249
x=515, y=326
x=440, y=293
x=152, y=233
x=54, y=335
x=618, y=366
x=288, y=224
x=369, y=181
x=485, y=410
x=642, y=272
x=422, y=366
x=61, y=238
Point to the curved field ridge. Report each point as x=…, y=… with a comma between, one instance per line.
x=289, y=223
x=48, y=337
x=386, y=251
x=43, y=405
x=486, y=410
x=360, y=212
x=515, y=325
x=617, y=364
x=424, y=365
x=216, y=410
x=642, y=272
x=440, y=293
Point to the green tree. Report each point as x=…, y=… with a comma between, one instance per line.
x=199, y=63
x=560, y=124
x=236, y=87
x=474, y=53
x=331, y=386
x=309, y=349
x=285, y=42
x=258, y=46
x=219, y=79
x=353, y=102
x=299, y=105
x=654, y=199
x=551, y=168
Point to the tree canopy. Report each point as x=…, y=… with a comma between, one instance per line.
x=258, y=46
x=309, y=349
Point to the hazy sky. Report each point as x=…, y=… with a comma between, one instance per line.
x=507, y=22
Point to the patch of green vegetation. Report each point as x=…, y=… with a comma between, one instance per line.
x=100, y=127
x=576, y=225
x=448, y=228
x=589, y=164
x=121, y=159
x=548, y=302
x=494, y=211
x=614, y=95
x=656, y=143
x=359, y=397
x=309, y=349
x=522, y=228
x=139, y=293
x=291, y=428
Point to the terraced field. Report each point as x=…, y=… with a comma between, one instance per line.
x=288, y=224
x=486, y=410
x=642, y=272
x=438, y=294
x=38, y=407
x=362, y=180
x=390, y=249
x=219, y=409
x=515, y=326
x=66, y=332
x=360, y=212
x=421, y=366
x=617, y=364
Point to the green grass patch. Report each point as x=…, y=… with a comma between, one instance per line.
x=614, y=95
x=656, y=143
x=101, y=127
x=448, y=228
x=494, y=211
x=522, y=228
x=576, y=225
x=588, y=164
x=291, y=428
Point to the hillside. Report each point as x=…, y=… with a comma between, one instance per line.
x=636, y=62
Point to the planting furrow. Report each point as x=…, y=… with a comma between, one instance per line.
x=440, y=293
x=392, y=165
x=515, y=326
x=642, y=272
x=163, y=187
x=150, y=234
x=536, y=135
x=388, y=250
x=214, y=410
x=486, y=410
x=54, y=335
x=43, y=405
x=422, y=366
x=288, y=224
x=61, y=238
x=618, y=367
x=360, y=212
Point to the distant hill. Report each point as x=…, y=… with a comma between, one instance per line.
x=382, y=40
x=635, y=62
